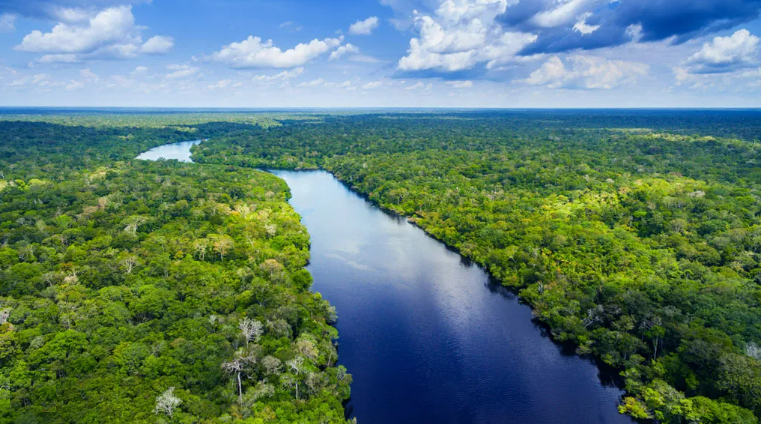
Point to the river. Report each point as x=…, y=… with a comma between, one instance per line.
x=426, y=335
x=178, y=151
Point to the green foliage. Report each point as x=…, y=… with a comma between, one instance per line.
x=120, y=280
x=641, y=246
x=635, y=235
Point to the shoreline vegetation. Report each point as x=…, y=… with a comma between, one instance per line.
x=632, y=235
x=640, y=246
x=138, y=291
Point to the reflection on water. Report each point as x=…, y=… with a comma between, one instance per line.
x=178, y=151
x=426, y=335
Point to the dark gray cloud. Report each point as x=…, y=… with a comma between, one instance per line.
x=649, y=20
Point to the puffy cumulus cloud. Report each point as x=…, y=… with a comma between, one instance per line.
x=364, y=27
x=342, y=50
x=461, y=34
x=253, y=52
x=460, y=84
x=586, y=72
x=563, y=25
x=726, y=54
x=109, y=33
x=106, y=28
x=159, y=44
x=731, y=62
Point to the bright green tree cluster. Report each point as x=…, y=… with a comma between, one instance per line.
x=135, y=291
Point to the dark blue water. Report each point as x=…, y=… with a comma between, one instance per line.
x=426, y=336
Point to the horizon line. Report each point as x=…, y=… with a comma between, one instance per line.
x=388, y=107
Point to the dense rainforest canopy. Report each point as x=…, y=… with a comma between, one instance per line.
x=135, y=290
x=635, y=236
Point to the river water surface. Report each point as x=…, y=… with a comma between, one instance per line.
x=426, y=335
x=178, y=151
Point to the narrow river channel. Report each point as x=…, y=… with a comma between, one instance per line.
x=427, y=337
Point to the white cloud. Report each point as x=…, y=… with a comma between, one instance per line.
x=281, y=76
x=254, y=53
x=121, y=81
x=38, y=80
x=291, y=25
x=139, y=70
x=586, y=72
x=158, y=44
x=220, y=84
x=7, y=22
x=460, y=84
x=373, y=84
x=313, y=83
x=583, y=27
x=342, y=50
x=461, y=34
x=110, y=26
x=420, y=86
x=180, y=71
x=57, y=58
x=736, y=80
x=565, y=12
x=635, y=32
x=109, y=33
x=726, y=54
x=364, y=27
x=88, y=74
x=74, y=85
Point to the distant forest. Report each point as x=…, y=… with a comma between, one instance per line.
x=127, y=287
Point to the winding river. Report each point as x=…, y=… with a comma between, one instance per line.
x=426, y=335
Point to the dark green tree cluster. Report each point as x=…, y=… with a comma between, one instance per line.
x=640, y=246
x=135, y=291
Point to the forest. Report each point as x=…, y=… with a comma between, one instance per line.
x=135, y=291
x=636, y=238
x=131, y=290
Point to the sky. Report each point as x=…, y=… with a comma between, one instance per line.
x=380, y=53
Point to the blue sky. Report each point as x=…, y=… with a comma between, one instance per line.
x=387, y=53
